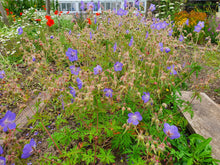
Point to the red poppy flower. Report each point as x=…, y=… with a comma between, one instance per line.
x=7, y=13
x=50, y=22
x=61, y=12
x=20, y=13
x=45, y=8
x=68, y=12
x=11, y=12
x=89, y=21
x=97, y=14
x=38, y=20
x=56, y=12
x=7, y=9
x=14, y=19
x=48, y=17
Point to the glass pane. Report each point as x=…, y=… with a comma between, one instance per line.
x=73, y=7
x=107, y=6
x=130, y=4
x=118, y=6
x=60, y=7
x=113, y=6
x=102, y=6
x=68, y=6
x=85, y=6
x=63, y=7
x=142, y=6
x=95, y=6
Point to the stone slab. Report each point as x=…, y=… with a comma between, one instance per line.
x=22, y=119
x=206, y=119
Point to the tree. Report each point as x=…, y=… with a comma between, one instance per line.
x=48, y=7
x=5, y=19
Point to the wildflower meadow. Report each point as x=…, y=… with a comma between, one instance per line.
x=112, y=83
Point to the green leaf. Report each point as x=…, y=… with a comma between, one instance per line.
x=106, y=156
x=190, y=161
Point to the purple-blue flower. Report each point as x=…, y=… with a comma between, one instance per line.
x=7, y=122
x=170, y=32
x=2, y=74
x=161, y=46
x=97, y=69
x=99, y=5
x=153, y=26
x=152, y=7
x=74, y=70
x=158, y=26
x=72, y=91
x=82, y=6
x=28, y=149
x=115, y=47
x=197, y=28
x=1, y=150
x=147, y=35
x=167, y=50
x=164, y=24
x=118, y=66
x=134, y=118
x=187, y=22
x=79, y=83
x=172, y=70
x=90, y=35
x=2, y=160
x=20, y=30
x=125, y=4
x=127, y=31
x=171, y=131
x=108, y=92
x=51, y=37
x=70, y=32
x=95, y=20
x=181, y=38
x=72, y=54
x=131, y=41
x=90, y=5
x=137, y=2
x=201, y=24
x=122, y=12
x=146, y=97
x=33, y=59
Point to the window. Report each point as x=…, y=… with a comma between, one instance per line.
x=113, y=6
x=118, y=6
x=63, y=7
x=95, y=6
x=102, y=5
x=60, y=6
x=142, y=6
x=69, y=6
x=107, y=6
x=73, y=7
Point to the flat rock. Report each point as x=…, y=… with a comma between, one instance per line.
x=206, y=119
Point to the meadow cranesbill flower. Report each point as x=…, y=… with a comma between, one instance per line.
x=167, y=50
x=79, y=83
x=201, y=24
x=122, y=12
x=2, y=160
x=33, y=59
x=158, y=26
x=134, y=118
x=82, y=6
x=118, y=66
x=74, y=70
x=187, y=22
x=97, y=69
x=2, y=74
x=152, y=7
x=99, y=5
x=70, y=32
x=197, y=28
x=95, y=21
x=72, y=91
x=161, y=46
x=125, y=4
x=72, y=54
x=7, y=122
x=146, y=97
x=181, y=38
x=127, y=31
x=137, y=2
x=20, y=30
x=90, y=6
x=172, y=70
x=164, y=24
x=51, y=37
x=115, y=47
x=153, y=26
x=90, y=35
x=28, y=149
x=1, y=150
x=131, y=41
x=170, y=32
x=108, y=92
x=147, y=35
x=171, y=131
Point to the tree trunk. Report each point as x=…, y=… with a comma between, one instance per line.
x=48, y=7
x=5, y=19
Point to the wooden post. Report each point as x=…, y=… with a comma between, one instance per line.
x=48, y=7
x=5, y=19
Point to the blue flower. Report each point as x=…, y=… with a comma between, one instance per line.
x=197, y=28
x=20, y=30
x=79, y=83
x=131, y=41
x=201, y=24
x=171, y=131
x=161, y=46
x=51, y=37
x=97, y=69
x=115, y=47
x=99, y=5
x=2, y=160
x=147, y=35
x=72, y=54
x=90, y=35
x=170, y=32
x=164, y=25
x=167, y=50
x=122, y=12
x=2, y=74
x=153, y=26
x=7, y=122
x=70, y=32
x=158, y=26
x=90, y=5
x=33, y=59
x=118, y=66
x=108, y=92
x=28, y=149
x=146, y=97
x=125, y=4
x=152, y=7
x=137, y=2
x=75, y=70
x=187, y=22
x=1, y=150
x=95, y=20
x=82, y=6
x=72, y=91
x=181, y=38
x=172, y=70
x=127, y=31
x=134, y=118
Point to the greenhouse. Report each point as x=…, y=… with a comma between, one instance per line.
x=73, y=6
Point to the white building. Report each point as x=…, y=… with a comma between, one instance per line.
x=73, y=6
